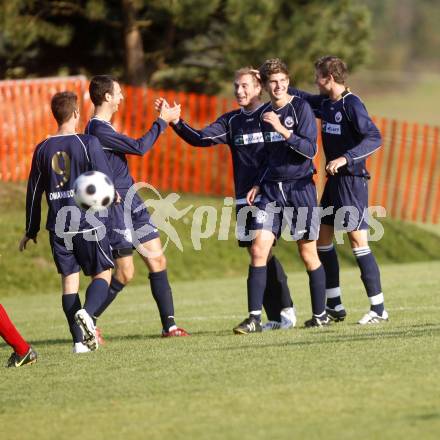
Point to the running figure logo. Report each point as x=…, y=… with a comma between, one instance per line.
x=164, y=210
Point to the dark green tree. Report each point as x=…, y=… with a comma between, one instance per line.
x=183, y=44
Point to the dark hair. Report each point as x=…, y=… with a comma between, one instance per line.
x=269, y=67
x=331, y=65
x=99, y=86
x=63, y=104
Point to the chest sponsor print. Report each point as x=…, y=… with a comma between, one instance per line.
x=247, y=139
x=331, y=128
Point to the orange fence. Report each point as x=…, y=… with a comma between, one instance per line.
x=405, y=172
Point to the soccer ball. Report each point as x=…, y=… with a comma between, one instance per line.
x=93, y=190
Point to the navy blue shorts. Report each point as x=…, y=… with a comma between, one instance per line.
x=88, y=252
x=137, y=224
x=348, y=195
x=289, y=209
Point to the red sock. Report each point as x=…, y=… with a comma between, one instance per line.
x=10, y=334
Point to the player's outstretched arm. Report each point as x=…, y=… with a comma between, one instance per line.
x=110, y=139
x=313, y=100
x=213, y=134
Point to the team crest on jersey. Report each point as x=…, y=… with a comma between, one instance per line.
x=338, y=117
x=288, y=122
x=261, y=216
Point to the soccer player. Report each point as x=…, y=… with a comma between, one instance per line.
x=241, y=131
x=77, y=240
x=287, y=190
x=106, y=95
x=23, y=353
x=349, y=136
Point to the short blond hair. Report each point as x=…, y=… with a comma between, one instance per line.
x=271, y=66
x=249, y=70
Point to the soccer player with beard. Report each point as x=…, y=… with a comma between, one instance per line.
x=241, y=131
x=349, y=136
x=287, y=190
x=106, y=95
x=77, y=240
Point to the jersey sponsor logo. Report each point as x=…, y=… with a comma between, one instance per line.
x=274, y=136
x=338, y=117
x=250, y=120
x=331, y=128
x=247, y=139
x=288, y=122
x=61, y=195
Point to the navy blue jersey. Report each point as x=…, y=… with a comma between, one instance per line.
x=117, y=145
x=56, y=163
x=241, y=131
x=347, y=130
x=290, y=159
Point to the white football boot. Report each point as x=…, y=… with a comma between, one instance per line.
x=80, y=347
x=85, y=322
x=288, y=318
x=373, y=318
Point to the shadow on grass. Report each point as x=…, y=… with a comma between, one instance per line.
x=330, y=338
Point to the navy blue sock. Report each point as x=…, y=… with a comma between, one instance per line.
x=96, y=294
x=162, y=294
x=329, y=259
x=115, y=287
x=272, y=293
x=256, y=284
x=71, y=304
x=370, y=276
x=317, y=290
x=281, y=279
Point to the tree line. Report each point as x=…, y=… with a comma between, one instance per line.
x=192, y=45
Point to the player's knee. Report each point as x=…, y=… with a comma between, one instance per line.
x=258, y=253
x=124, y=274
x=310, y=258
x=157, y=263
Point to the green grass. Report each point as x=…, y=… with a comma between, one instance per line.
x=33, y=271
x=397, y=90
x=343, y=382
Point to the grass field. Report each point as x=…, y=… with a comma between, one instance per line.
x=343, y=382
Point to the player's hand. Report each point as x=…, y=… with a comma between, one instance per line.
x=118, y=199
x=23, y=242
x=170, y=114
x=256, y=72
x=250, y=197
x=334, y=165
x=158, y=103
x=273, y=119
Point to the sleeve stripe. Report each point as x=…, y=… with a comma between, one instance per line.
x=365, y=155
x=191, y=129
x=32, y=203
x=84, y=147
x=302, y=154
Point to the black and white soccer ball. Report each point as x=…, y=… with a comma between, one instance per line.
x=93, y=190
